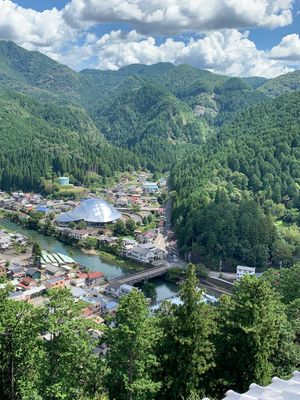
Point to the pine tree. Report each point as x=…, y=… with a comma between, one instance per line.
x=131, y=357
x=253, y=330
x=36, y=254
x=70, y=369
x=20, y=351
x=186, y=351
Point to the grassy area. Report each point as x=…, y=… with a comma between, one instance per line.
x=122, y=262
x=71, y=189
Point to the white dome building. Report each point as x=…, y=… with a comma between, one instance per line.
x=94, y=211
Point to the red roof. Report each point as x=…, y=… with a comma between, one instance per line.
x=82, y=275
x=95, y=275
x=86, y=312
x=90, y=275
x=27, y=281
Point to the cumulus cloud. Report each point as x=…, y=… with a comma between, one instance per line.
x=228, y=51
x=287, y=49
x=67, y=35
x=32, y=28
x=173, y=16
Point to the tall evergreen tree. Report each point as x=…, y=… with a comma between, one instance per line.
x=131, y=357
x=186, y=350
x=70, y=368
x=253, y=331
x=20, y=349
x=36, y=254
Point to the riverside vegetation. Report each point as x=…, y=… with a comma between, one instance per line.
x=184, y=351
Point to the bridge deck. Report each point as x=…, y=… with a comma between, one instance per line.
x=141, y=276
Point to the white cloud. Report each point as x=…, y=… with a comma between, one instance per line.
x=227, y=51
x=174, y=16
x=31, y=28
x=287, y=49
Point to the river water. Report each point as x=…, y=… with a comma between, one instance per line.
x=92, y=262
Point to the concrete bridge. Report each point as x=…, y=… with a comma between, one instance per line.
x=141, y=276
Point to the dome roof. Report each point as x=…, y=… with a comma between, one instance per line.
x=93, y=210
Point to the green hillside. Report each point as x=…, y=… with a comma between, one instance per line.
x=33, y=68
x=229, y=192
x=42, y=140
x=282, y=84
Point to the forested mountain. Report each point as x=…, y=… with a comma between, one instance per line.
x=255, y=157
x=232, y=149
x=282, y=84
x=39, y=140
x=155, y=111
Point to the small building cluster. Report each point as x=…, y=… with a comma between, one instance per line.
x=136, y=190
x=12, y=242
x=58, y=270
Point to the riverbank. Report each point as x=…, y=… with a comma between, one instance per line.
x=123, y=262
x=93, y=262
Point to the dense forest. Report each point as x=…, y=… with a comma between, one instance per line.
x=54, y=353
x=231, y=146
x=229, y=192
x=48, y=140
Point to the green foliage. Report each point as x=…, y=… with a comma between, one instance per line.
x=62, y=366
x=36, y=254
x=70, y=345
x=130, y=225
x=286, y=282
x=131, y=359
x=186, y=349
x=175, y=274
x=253, y=334
x=119, y=228
x=254, y=157
x=20, y=348
x=149, y=291
x=282, y=84
x=37, y=139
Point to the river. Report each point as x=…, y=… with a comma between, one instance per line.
x=92, y=262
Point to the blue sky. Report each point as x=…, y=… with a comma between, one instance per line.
x=234, y=37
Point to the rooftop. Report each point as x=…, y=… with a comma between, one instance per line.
x=279, y=389
x=94, y=210
x=245, y=268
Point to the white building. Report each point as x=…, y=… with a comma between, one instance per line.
x=241, y=271
x=140, y=254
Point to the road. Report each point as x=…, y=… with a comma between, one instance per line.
x=160, y=241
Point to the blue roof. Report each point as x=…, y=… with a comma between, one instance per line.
x=150, y=185
x=78, y=292
x=111, y=305
x=93, y=210
x=42, y=208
